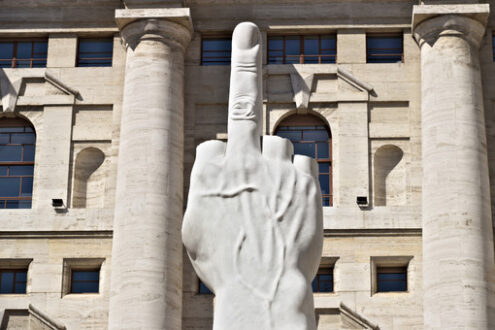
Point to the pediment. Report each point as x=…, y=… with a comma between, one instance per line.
x=29, y=319
x=303, y=84
x=34, y=89
x=342, y=317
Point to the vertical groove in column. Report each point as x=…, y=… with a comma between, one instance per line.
x=457, y=225
x=146, y=281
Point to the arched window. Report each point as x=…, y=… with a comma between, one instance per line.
x=312, y=137
x=17, y=142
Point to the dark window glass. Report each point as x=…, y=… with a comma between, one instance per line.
x=302, y=49
x=203, y=289
x=323, y=281
x=17, y=145
x=23, y=54
x=390, y=279
x=95, y=52
x=216, y=51
x=13, y=281
x=384, y=48
x=493, y=45
x=85, y=281
x=311, y=137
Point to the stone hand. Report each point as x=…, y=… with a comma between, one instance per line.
x=253, y=224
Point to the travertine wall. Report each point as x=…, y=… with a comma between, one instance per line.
x=376, y=143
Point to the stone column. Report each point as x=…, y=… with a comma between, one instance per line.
x=457, y=225
x=146, y=281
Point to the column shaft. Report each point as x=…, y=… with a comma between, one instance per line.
x=457, y=229
x=146, y=282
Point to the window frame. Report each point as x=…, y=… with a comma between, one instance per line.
x=76, y=269
x=313, y=120
x=301, y=48
x=493, y=46
x=384, y=35
x=391, y=263
x=71, y=265
x=391, y=270
x=94, y=38
x=32, y=59
x=324, y=270
x=219, y=36
x=15, y=271
x=18, y=122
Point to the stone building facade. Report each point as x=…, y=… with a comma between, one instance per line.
x=411, y=152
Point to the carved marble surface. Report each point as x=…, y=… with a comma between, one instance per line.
x=253, y=226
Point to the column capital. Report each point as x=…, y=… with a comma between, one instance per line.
x=172, y=25
x=429, y=22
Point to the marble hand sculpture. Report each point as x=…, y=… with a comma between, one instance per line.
x=253, y=225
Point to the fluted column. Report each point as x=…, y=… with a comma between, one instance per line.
x=146, y=281
x=457, y=225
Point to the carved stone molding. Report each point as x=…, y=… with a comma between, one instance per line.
x=172, y=26
x=466, y=21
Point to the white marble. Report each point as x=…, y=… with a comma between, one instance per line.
x=253, y=225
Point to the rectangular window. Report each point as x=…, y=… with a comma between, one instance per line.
x=323, y=281
x=81, y=275
x=391, y=279
x=216, y=51
x=299, y=49
x=85, y=281
x=13, y=281
x=95, y=52
x=203, y=289
x=23, y=53
x=384, y=48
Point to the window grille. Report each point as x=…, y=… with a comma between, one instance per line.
x=299, y=49
x=23, y=53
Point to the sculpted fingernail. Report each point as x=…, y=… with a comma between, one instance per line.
x=249, y=33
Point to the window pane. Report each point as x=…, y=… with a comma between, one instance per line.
x=9, y=187
x=324, y=167
x=28, y=153
x=293, y=45
x=315, y=135
x=314, y=284
x=311, y=46
x=307, y=149
x=95, y=52
x=323, y=150
x=85, y=287
x=326, y=283
x=21, y=276
x=216, y=51
x=85, y=275
x=21, y=204
x=20, y=287
x=40, y=49
x=6, y=50
x=7, y=282
x=11, y=129
x=291, y=135
x=25, y=138
x=329, y=42
x=4, y=138
x=21, y=170
x=324, y=183
x=203, y=289
x=27, y=187
x=24, y=50
x=384, y=49
x=10, y=153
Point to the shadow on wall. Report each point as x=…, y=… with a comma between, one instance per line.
x=389, y=176
x=89, y=179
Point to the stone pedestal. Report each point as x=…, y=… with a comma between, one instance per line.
x=457, y=225
x=146, y=282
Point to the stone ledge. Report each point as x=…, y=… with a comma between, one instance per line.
x=182, y=16
x=479, y=12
